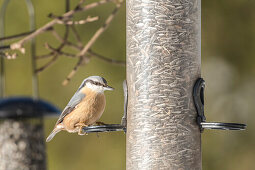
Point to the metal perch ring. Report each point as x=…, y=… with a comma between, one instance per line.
x=198, y=96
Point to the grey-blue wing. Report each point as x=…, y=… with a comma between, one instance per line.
x=75, y=100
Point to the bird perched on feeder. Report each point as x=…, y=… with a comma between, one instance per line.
x=85, y=107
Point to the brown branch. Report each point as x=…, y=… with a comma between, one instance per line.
x=108, y=60
x=90, y=52
x=59, y=52
x=89, y=19
x=84, y=52
x=60, y=39
x=15, y=36
x=73, y=46
x=77, y=36
x=52, y=61
x=67, y=43
x=83, y=60
x=65, y=37
x=19, y=45
x=55, y=52
x=91, y=42
x=57, y=36
x=67, y=54
x=44, y=56
x=100, y=31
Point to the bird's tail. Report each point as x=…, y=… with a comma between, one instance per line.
x=53, y=133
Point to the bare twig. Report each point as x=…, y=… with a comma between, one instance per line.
x=100, y=31
x=81, y=61
x=68, y=43
x=59, y=52
x=65, y=36
x=52, y=61
x=57, y=36
x=88, y=19
x=44, y=56
x=18, y=45
x=84, y=52
x=55, y=52
x=15, y=36
x=108, y=60
x=91, y=42
x=77, y=36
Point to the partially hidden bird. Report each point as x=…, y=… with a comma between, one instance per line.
x=85, y=107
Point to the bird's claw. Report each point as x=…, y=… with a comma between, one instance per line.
x=82, y=125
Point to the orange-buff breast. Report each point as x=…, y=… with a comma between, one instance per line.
x=88, y=111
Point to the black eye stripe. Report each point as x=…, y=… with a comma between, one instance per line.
x=95, y=83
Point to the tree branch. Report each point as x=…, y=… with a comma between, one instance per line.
x=84, y=52
x=15, y=36
x=108, y=60
x=59, y=52
x=88, y=19
x=91, y=42
x=52, y=61
x=44, y=56
x=82, y=60
x=77, y=36
x=19, y=45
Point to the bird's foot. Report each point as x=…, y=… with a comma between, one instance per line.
x=81, y=126
x=100, y=123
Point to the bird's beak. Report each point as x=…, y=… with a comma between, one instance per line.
x=108, y=88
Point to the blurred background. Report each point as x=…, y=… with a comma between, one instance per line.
x=228, y=67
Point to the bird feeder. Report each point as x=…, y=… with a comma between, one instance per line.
x=21, y=129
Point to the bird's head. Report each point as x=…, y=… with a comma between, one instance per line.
x=96, y=83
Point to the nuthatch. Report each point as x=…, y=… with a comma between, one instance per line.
x=85, y=107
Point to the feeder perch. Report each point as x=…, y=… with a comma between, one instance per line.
x=198, y=97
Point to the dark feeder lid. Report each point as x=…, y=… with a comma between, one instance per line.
x=25, y=107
